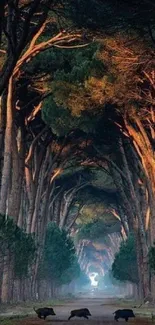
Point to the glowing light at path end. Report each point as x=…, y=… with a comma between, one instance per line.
x=92, y=277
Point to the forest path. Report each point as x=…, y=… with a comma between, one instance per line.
x=101, y=310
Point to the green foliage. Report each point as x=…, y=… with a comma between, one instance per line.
x=102, y=180
x=18, y=244
x=87, y=80
x=58, y=256
x=108, y=279
x=25, y=251
x=83, y=280
x=96, y=210
x=108, y=282
x=124, y=267
x=73, y=272
x=84, y=81
x=58, y=115
x=152, y=257
x=69, y=70
x=97, y=229
x=72, y=66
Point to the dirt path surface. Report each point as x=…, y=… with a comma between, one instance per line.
x=101, y=310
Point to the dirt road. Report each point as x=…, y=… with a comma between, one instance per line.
x=101, y=310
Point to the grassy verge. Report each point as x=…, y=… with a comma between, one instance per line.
x=8, y=322
x=25, y=309
x=143, y=311
x=11, y=320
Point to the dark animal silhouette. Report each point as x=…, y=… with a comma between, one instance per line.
x=84, y=312
x=123, y=313
x=44, y=312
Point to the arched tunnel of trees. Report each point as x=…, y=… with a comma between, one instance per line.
x=77, y=146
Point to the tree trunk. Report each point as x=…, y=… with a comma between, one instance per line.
x=30, y=189
x=39, y=191
x=17, y=177
x=7, y=149
x=65, y=205
x=2, y=130
x=144, y=268
x=73, y=219
x=144, y=150
x=126, y=206
x=5, y=290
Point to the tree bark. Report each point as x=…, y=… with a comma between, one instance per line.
x=2, y=129
x=5, y=289
x=7, y=149
x=126, y=206
x=141, y=235
x=30, y=189
x=39, y=191
x=17, y=176
x=144, y=149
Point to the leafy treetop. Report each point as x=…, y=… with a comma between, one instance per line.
x=19, y=244
x=124, y=267
x=58, y=255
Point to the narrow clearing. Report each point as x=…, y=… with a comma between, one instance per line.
x=101, y=310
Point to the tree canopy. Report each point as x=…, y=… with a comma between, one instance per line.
x=77, y=139
x=97, y=229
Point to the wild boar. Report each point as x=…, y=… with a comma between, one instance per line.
x=123, y=313
x=44, y=312
x=84, y=312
